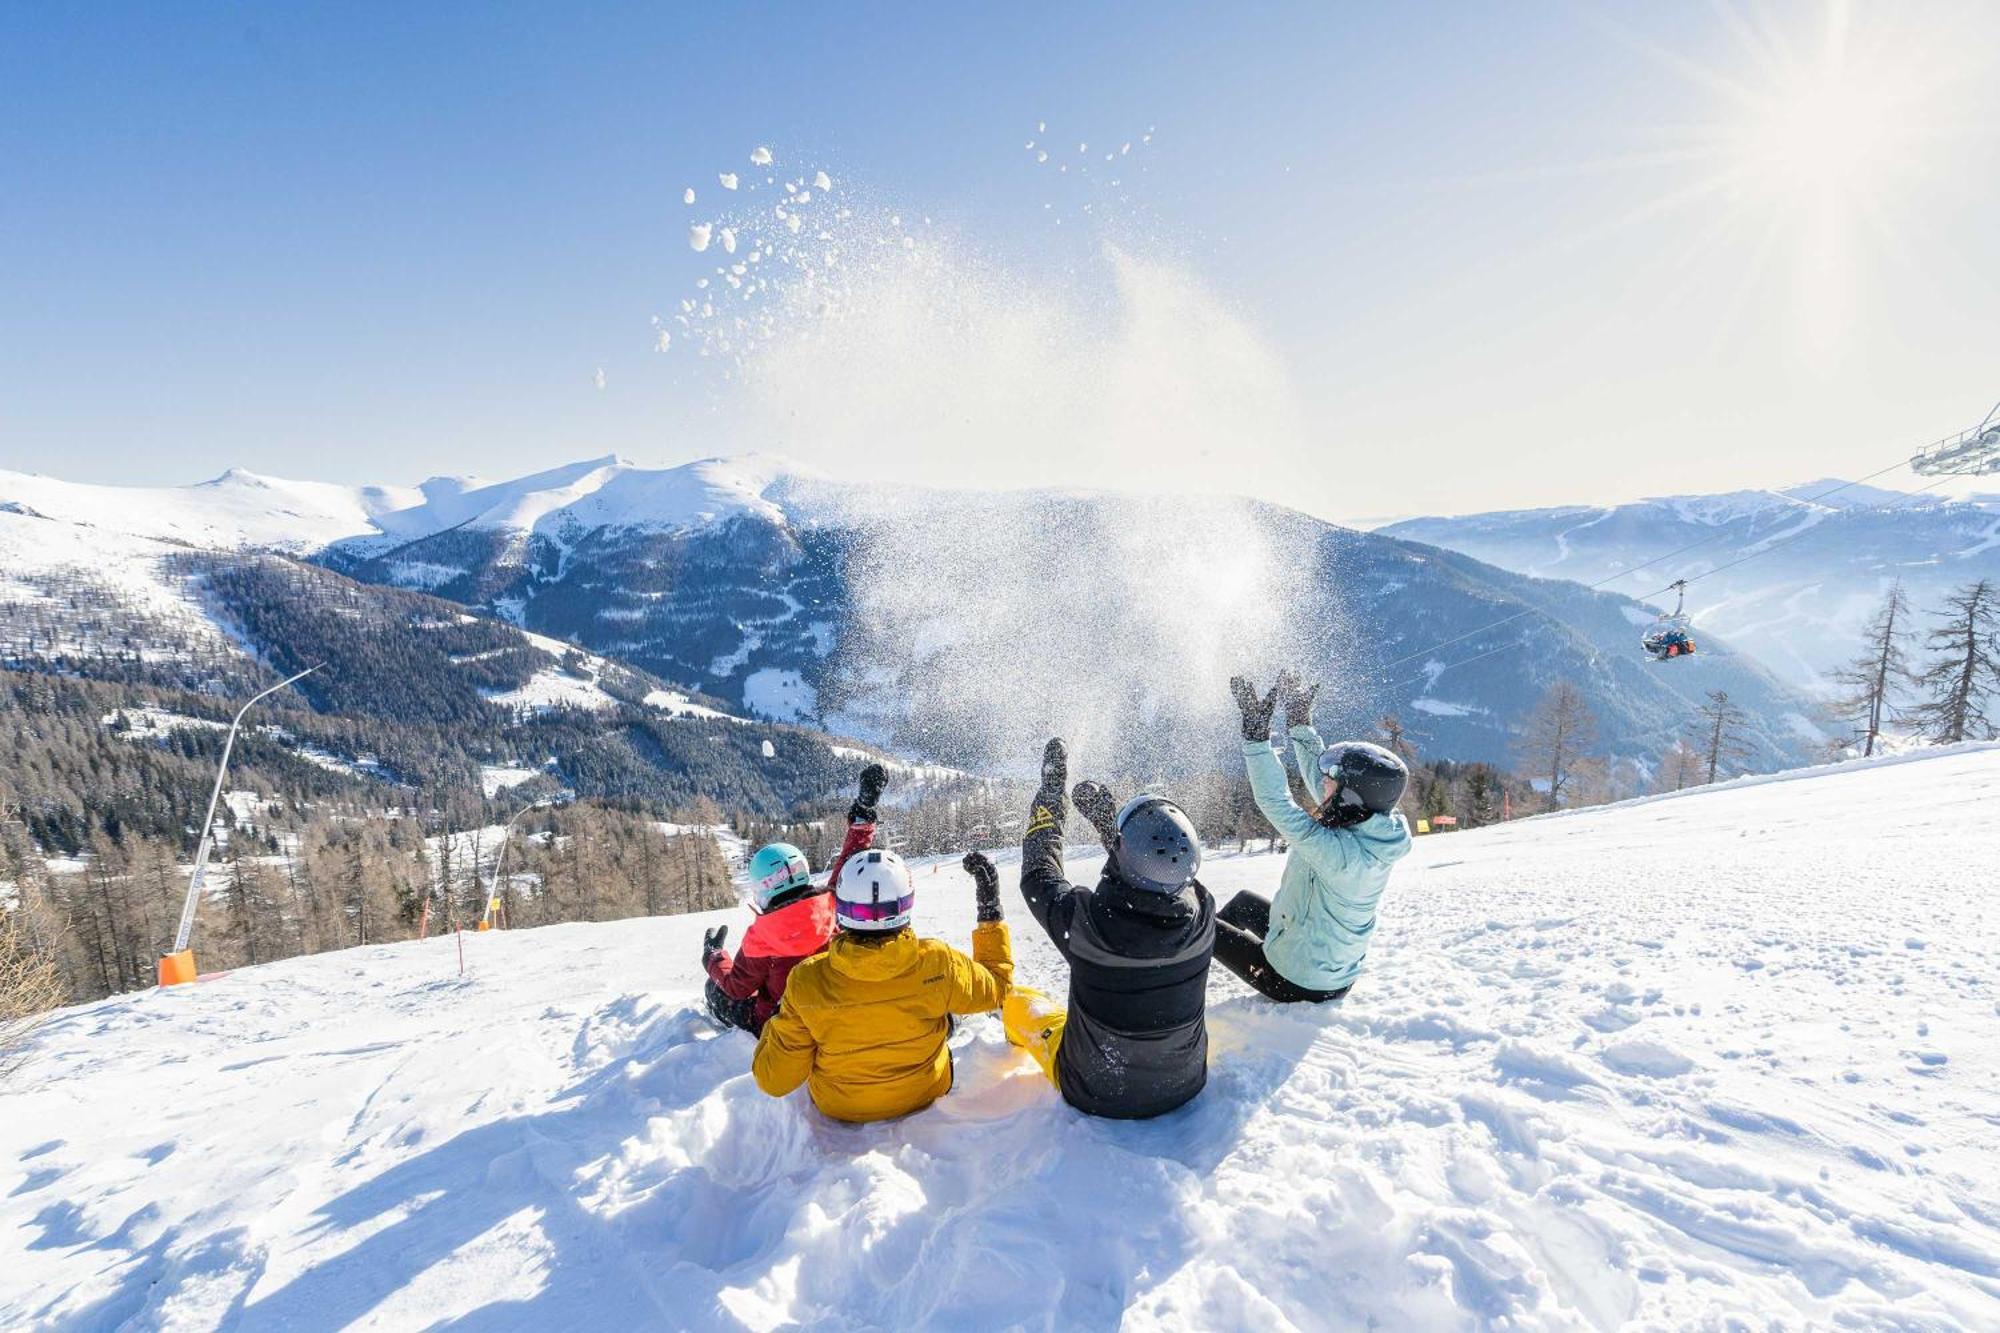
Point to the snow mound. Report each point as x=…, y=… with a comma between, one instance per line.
x=1556, y=1100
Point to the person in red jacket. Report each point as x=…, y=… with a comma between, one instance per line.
x=794, y=920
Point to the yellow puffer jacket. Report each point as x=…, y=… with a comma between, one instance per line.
x=863, y=1026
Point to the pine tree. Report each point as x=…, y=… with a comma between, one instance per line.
x=1874, y=678
x=1719, y=733
x=1965, y=666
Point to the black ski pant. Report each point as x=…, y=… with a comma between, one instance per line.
x=1240, y=928
x=728, y=1011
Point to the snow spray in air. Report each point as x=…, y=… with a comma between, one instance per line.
x=1038, y=473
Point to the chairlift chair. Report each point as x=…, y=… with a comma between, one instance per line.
x=1671, y=636
x=1972, y=453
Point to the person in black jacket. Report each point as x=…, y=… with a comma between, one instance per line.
x=1133, y=1042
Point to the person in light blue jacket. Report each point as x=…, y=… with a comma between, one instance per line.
x=1308, y=944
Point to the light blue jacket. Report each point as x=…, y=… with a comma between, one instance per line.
x=1324, y=913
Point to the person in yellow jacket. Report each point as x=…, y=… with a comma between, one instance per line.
x=865, y=1025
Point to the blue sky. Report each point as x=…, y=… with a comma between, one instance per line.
x=1483, y=254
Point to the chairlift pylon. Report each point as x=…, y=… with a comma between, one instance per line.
x=1671, y=636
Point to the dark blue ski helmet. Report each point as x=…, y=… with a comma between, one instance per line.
x=1369, y=776
x=1157, y=846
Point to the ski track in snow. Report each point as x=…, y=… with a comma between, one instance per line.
x=1718, y=1058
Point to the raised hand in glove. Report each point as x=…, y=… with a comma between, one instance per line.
x=1096, y=804
x=1257, y=709
x=711, y=942
x=873, y=779
x=985, y=885
x=1051, y=806
x=1297, y=698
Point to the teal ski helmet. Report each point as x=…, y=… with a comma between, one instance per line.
x=775, y=870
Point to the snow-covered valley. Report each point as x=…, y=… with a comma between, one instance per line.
x=1721, y=1059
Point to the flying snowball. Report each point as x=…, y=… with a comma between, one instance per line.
x=687, y=195
x=760, y=156
x=698, y=235
x=728, y=179
x=822, y=181
x=598, y=378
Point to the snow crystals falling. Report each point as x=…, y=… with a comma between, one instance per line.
x=804, y=251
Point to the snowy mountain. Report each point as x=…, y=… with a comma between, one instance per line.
x=1815, y=568
x=151, y=637
x=963, y=627
x=1560, y=1098
x=237, y=510
x=965, y=624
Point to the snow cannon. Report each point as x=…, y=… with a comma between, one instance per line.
x=177, y=968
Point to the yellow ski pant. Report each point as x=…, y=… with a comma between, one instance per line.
x=1035, y=1024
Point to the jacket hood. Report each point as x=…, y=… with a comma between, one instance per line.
x=798, y=928
x=1384, y=837
x=1144, y=902
x=873, y=962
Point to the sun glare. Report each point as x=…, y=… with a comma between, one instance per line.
x=1827, y=137
x=1831, y=133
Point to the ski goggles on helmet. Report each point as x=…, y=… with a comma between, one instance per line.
x=883, y=911
x=783, y=877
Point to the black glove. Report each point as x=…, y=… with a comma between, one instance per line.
x=711, y=943
x=1050, y=806
x=1256, y=712
x=1055, y=777
x=1297, y=698
x=985, y=885
x=1097, y=804
x=873, y=779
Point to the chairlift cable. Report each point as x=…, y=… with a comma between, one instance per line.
x=1627, y=573
x=1508, y=647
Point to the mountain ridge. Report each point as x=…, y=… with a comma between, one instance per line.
x=961, y=626
x=1792, y=580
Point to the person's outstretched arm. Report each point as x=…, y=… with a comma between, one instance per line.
x=1048, y=893
x=977, y=984
x=861, y=819
x=1297, y=699
x=1268, y=785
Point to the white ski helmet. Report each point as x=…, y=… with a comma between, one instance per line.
x=875, y=892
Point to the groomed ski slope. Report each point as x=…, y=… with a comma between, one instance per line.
x=1715, y=1058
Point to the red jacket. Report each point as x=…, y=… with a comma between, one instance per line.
x=780, y=940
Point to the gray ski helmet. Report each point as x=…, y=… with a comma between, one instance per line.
x=1157, y=846
x=1369, y=776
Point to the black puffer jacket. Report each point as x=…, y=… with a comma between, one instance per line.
x=1136, y=1043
